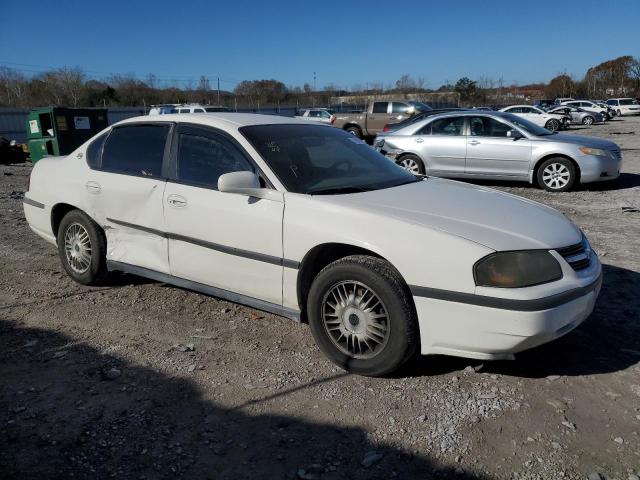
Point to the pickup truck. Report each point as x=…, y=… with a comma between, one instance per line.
x=379, y=114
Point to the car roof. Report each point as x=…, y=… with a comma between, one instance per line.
x=218, y=119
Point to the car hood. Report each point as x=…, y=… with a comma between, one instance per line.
x=497, y=220
x=582, y=141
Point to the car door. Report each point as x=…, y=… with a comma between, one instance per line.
x=378, y=118
x=490, y=153
x=228, y=241
x=125, y=187
x=442, y=146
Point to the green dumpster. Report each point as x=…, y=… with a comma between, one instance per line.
x=60, y=130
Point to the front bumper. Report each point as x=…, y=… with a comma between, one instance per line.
x=492, y=333
x=595, y=168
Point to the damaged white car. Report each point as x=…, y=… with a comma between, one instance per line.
x=306, y=221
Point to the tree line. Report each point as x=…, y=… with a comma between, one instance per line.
x=73, y=88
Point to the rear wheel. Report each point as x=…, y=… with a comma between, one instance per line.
x=553, y=125
x=355, y=131
x=412, y=163
x=588, y=120
x=556, y=175
x=361, y=315
x=82, y=248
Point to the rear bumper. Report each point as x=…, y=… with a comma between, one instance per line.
x=38, y=216
x=491, y=333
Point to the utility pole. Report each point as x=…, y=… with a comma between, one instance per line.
x=314, y=81
x=218, y=90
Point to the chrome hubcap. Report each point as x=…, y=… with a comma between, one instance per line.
x=556, y=175
x=77, y=248
x=410, y=164
x=355, y=319
x=588, y=121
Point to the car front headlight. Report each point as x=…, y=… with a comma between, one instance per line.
x=594, y=151
x=516, y=269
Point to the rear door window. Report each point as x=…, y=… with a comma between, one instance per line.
x=380, y=107
x=452, y=126
x=398, y=107
x=203, y=156
x=136, y=150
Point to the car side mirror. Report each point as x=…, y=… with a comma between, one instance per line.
x=515, y=134
x=246, y=183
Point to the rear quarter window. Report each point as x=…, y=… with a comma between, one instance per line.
x=94, y=151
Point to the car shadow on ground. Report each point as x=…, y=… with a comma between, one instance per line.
x=606, y=342
x=64, y=412
x=624, y=181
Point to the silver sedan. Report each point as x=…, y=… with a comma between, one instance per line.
x=500, y=146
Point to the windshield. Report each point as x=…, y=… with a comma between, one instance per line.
x=323, y=160
x=420, y=107
x=530, y=127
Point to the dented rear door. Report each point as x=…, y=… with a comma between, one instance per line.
x=126, y=192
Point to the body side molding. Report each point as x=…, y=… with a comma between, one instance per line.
x=260, y=257
x=533, y=305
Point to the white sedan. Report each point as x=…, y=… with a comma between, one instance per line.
x=550, y=121
x=306, y=221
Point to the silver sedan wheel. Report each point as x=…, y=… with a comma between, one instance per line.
x=411, y=165
x=588, y=120
x=355, y=319
x=556, y=176
x=77, y=248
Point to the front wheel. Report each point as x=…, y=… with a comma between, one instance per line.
x=82, y=248
x=556, y=175
x=588, y=120
x=361, y=315
x=412, y=164
x=553, y=125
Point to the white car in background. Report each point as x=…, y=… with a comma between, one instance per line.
x=587, y=106
x=321, y=115
x=306, y=221
x=624, y=106
x=550, y=121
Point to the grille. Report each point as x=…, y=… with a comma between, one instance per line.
x=617, y=154
x=578, y=255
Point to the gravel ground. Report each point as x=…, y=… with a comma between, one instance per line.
x=142, y=380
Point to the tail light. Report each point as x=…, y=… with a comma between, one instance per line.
x=385, y=128
x=332, y=119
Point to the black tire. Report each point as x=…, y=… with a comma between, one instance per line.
x=562, y=165
x=386, y=283
x=96, y=270
x=588, y=120
x=411, y=160
x=355, y=131
x=619, y=112
x=553, y=125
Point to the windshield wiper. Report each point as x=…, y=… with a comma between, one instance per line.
x=337, y=190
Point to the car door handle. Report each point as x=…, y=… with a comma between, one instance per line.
x=419, y=140
x=474, y=142
x=177, y=201
x=93, y=187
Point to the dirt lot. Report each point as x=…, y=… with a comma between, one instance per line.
x=142, y=380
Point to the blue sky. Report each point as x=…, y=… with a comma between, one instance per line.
x=345, y=42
